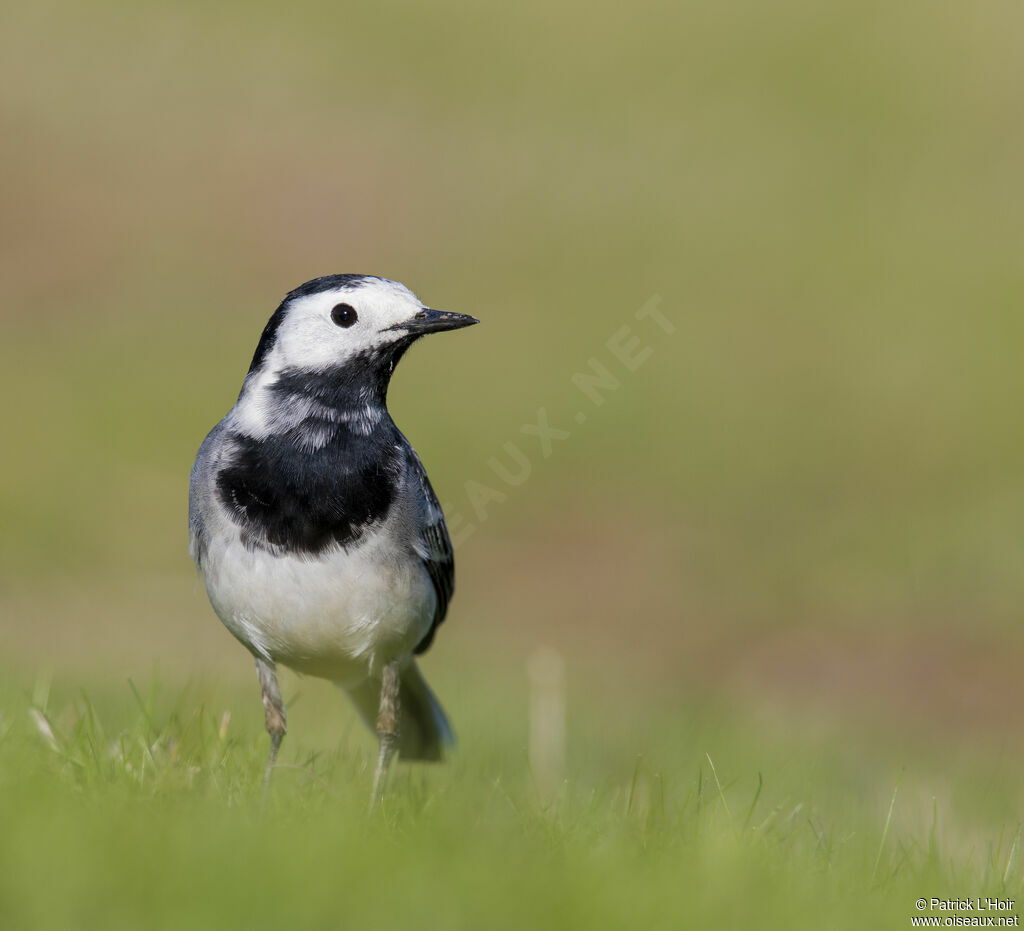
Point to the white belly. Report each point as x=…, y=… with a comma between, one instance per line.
x=339, y=615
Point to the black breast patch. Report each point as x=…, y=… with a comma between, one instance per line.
x=305, y=501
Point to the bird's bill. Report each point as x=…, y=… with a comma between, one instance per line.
x=432, y=321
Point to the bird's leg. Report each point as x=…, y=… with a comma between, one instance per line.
x=387, y=728
x=273, y=706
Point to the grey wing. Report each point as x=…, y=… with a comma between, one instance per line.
x=435, y=550
x=199, y=496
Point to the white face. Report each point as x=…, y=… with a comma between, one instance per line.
x=309, y=337
x=325, y=331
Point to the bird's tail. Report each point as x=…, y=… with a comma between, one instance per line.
x=423, y=728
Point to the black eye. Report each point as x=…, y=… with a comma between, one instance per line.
x=344, y=315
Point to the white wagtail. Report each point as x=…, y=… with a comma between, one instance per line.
x=312, y=521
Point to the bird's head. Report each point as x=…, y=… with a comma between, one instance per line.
x=342, y=320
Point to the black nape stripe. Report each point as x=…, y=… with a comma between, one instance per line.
x=315, y=286
x=328, y=283
x=266, y=342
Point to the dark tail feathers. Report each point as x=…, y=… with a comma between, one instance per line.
x=423, y=729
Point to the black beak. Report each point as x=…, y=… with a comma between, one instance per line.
x=432, y=321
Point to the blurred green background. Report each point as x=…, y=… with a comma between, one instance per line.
x=803, y=509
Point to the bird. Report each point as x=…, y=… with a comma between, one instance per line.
x=312, y=522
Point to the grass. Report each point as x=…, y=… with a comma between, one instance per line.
x=127, y=807
x=782, y=561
